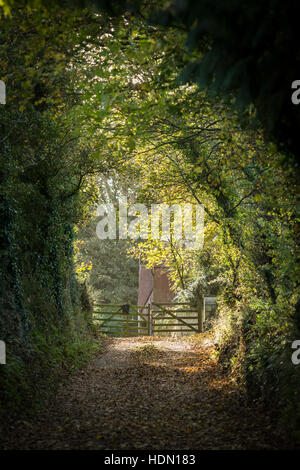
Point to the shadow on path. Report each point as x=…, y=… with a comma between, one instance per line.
x=147, y=393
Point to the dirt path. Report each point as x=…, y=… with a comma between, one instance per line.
x=147, y=393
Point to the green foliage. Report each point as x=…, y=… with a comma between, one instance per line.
x=112, y=276
x=31, y=377
x=183, y=146
x=44, y=165
x=248, y=54
x=91, y=96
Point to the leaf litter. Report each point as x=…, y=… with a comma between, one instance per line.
x=148, y=393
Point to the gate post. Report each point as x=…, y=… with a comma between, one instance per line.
x=201, y=307
x=150, y=320
x=126, y=326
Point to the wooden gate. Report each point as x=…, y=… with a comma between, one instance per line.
x=156, y=319
x=123, y=320
x=172, y=317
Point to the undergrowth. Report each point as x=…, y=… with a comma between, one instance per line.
x=29, y=379
x=255, y=348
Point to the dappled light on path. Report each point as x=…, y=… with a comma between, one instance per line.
x=148, y=393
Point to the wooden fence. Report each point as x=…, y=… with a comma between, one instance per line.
x=155, y=319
